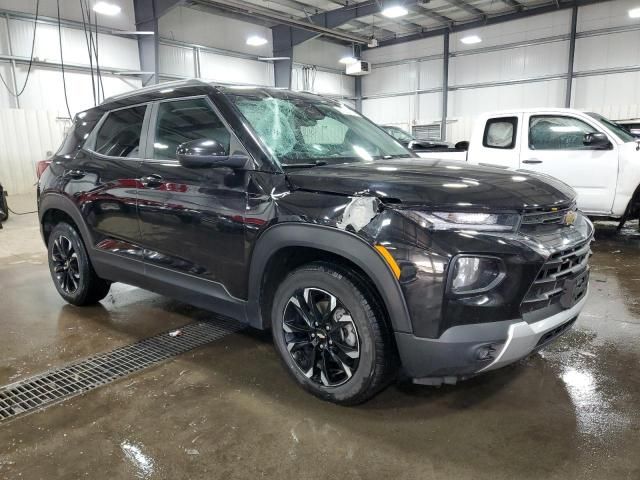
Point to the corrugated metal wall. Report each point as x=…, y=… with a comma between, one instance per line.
x=25, y=138
x=519, y=64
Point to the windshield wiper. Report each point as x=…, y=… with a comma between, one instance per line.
x=317, y=163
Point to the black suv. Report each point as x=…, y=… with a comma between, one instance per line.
x=292, y=212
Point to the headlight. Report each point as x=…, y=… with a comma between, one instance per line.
x=471, y=274
x=495, y=222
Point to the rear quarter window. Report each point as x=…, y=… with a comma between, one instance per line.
x=82, y=125
x=500, y=133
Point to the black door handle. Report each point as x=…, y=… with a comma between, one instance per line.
x=75, y=174
x=151, y=181
x=532, y=160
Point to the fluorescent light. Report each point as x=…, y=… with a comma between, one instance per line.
x=395, y=11
x=471, y=39
x=256, y=41
x=106, y=8
x=348, y=60
x=634, y=13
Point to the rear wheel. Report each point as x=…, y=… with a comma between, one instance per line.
x=71, y=270
x=331, y=335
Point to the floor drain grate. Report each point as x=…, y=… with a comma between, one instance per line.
x=79, y=377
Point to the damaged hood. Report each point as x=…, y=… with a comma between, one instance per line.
x=436, y=183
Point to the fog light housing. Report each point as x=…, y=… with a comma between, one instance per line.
x=472, y=274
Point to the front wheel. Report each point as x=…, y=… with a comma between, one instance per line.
x=331, y=335
x=71, y=269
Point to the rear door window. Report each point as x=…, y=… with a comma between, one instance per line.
x=119, y=135
x=500, y=133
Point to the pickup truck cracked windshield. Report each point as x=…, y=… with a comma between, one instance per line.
x=291, y=212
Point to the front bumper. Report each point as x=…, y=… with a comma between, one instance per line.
x=466, y=350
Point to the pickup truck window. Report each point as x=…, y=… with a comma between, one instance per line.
x=500, y=133
x=554, y=132
x=619, y=130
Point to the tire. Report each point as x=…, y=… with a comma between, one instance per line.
x=71, y=270
x=348, y=359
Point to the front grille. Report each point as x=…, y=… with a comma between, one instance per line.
x=549, y=217
x=555, y=333
x=552, y=281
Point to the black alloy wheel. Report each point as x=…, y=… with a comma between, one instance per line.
x=321, y=337
x=65, y=264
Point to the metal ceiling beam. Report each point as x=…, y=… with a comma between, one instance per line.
x=492, y=20
x=427, y=12
x=147, y=13
x=467, y=8
x=514, y=4
x=320, y=24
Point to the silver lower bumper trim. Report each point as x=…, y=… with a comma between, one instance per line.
x=523, y=337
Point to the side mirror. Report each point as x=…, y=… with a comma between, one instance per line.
x=463, y=145
x=208, y=154
x=596, y=141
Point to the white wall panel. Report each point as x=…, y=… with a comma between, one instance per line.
x=202, y=28
x=45, y=89
x=430, y=74
x=403, y=51
x=321, y=53
x=512, y=64
x=5, y=98
x=113, y=51
x=177, y=60
x=393, y=79
x=25, y=138
x=326, y=83
x=529, y=28
x=4, y=46
x=615, y=96
x=393, y=110
x=607, y=51
x=429, y=108
x=606, y=14
x=225, y=69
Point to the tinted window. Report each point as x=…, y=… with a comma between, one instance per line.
x=185, y=120
x=119, y=135
x=549, y=132
x=500, y=133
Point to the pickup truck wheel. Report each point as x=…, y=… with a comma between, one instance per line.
x=71, y=270
x=331, y=335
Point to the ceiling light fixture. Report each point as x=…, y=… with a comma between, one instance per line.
x=634, y=13
x=256, y=41
x=348, y=60
x=394, y=11
x=471, y=39
x=106, y=8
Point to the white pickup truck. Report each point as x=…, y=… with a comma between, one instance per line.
x=595, y=156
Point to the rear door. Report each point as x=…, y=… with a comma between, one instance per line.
x=102, y=178
x=191, y=219
x=554, y=146
x=496, y=142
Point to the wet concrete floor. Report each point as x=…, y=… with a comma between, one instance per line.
x=230, y=411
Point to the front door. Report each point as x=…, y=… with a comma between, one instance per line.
x=191, y=219
x=555, y=146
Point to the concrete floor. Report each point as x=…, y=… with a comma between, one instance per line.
x=230, y=411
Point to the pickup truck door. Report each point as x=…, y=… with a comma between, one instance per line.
x=553, y=144
x=496, y=142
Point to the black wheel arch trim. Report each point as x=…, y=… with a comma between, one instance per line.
x=56, y=201
x=334, y=241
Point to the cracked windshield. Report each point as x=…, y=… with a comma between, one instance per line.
x=303, y=131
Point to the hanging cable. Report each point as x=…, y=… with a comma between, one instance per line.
x=33, y=46
x=64, y=81
x=95, y=48
x=89, y=51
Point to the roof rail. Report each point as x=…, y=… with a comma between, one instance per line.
x=156, y=87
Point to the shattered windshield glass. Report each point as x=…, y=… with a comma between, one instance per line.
x=300, y=129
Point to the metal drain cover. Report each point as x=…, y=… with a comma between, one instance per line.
x=84, y=375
